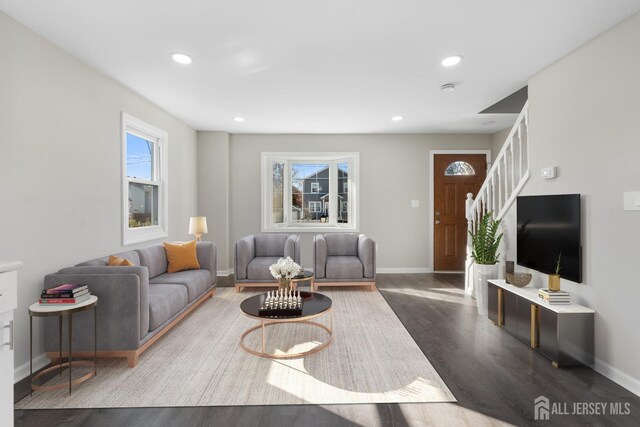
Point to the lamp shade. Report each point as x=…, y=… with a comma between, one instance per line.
x=198, y=225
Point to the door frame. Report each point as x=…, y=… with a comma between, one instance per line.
x=432, y=153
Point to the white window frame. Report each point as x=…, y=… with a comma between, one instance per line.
x=333, y=159
x=160, y=139
x=315, y=187
x=317, y=206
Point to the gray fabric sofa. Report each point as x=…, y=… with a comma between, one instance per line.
x=136, y=305
x=254, y=255
x=344, y=259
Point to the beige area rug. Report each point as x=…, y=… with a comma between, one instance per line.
x=372, y=359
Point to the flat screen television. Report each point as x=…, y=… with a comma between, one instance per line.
x=547, y=227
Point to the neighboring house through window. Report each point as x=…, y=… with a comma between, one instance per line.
x=300, y=189
x=144, y=181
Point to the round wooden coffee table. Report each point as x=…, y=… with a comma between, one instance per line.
x=315, y=305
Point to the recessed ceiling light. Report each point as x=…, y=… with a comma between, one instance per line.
x=450, y=61
x=181, y=58
x=397, y=118
x=239, y=119
x=448, y=87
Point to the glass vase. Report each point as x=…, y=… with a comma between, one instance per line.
x=284, y=284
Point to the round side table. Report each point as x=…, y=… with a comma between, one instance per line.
x=306, y=276
x=38, y=310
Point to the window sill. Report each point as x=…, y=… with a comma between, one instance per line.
x=140, y=236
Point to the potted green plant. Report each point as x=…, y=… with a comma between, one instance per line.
x=554, y=279
x=484, y=244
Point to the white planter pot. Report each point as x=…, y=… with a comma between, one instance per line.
x=483, y=273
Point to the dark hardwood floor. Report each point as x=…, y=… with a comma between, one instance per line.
x=494, y=377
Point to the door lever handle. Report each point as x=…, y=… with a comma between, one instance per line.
x=437, y=221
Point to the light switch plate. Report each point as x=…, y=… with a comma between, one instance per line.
x=632, y=201
x=415, y=203
x=549, y=173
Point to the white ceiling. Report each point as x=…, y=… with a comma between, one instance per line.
x=330, y=66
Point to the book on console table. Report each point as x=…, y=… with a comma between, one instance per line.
x=64, y=301
x=554, y=293
x=554, y=297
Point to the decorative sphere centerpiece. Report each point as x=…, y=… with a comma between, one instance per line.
x=283, y=271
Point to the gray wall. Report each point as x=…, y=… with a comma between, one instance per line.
x=585, y=119
x=213, y=191
x=60, y=165
x=497, y=141
x=394, y=169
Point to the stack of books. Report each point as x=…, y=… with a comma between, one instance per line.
x=554, y=297
x=67, y=293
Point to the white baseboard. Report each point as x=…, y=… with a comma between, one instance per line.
x=403, y=270
x=22, y=371
x=617, y=376
x=225, y=273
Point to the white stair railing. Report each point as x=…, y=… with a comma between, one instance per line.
x=506, y=178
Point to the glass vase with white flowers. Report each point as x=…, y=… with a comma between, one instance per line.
x=284, y=270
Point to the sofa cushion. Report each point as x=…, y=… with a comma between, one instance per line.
x=164, y=302
x=270, y=245
x=130, y=255
x=342, y=244
x=195, y=281
x=181, y=256
x=344, y=267
x=116, y=261
x=155, y=259
x=258, y=268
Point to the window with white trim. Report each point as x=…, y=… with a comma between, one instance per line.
x=299, y=191
x=144, y=181
x=315, y=206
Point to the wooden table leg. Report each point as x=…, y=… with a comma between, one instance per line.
x=60, y=349
x=95, y=340
x=30, y=352
x=70, y=356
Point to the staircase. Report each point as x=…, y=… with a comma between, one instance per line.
x=504, y=181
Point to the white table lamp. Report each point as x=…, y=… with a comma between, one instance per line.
x=198, y=226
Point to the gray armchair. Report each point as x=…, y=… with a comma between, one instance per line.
x=344, y=259
x=254, y=255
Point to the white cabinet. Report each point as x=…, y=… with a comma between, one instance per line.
x=8, y=303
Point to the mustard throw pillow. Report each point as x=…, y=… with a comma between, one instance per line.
x=117, y=261
x=181, y=256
